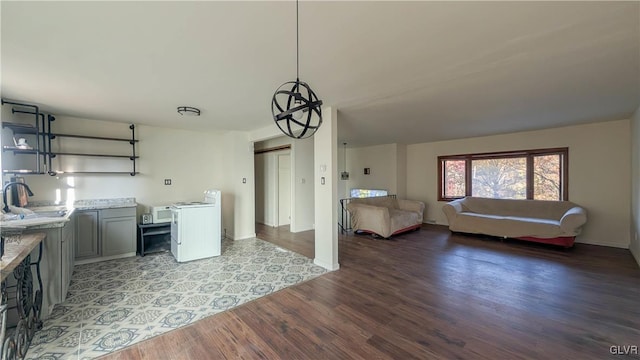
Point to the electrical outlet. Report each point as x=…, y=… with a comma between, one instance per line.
x=167, y=181
x=244, y=180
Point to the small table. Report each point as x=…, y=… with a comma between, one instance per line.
x=153, y=231
x=28, y=303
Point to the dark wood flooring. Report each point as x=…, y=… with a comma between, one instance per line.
x=303, y=242
x=428, y=294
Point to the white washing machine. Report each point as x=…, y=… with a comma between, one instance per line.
x=196, y=228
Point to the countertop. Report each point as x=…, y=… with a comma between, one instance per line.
x=17, y=247
x=57, y=222
x=92, y=204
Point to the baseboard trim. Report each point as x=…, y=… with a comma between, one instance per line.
x=330, y=267
x=104, y=258
x=635, y=254
x=301, y=230
x=244, y=237
x=597, y=243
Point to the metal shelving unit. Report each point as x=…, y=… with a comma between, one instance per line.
x=43, y=149
x=132, y=141
x=37, y=129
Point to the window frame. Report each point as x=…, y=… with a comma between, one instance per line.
x=528, y=154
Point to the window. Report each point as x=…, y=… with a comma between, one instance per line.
x=527, y=174
x=363, y=193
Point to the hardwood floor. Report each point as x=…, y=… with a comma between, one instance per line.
x=429, y=294
x=303, y=242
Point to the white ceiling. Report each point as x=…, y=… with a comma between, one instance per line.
x=402, y=72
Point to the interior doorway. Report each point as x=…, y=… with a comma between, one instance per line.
x=284, y=189
x=273, y=170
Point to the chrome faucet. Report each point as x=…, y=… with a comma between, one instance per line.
x=4, y=193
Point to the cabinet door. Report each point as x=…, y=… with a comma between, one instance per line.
x=118, y=235
x=68, y=257
x=49, y=269
x=86, y=236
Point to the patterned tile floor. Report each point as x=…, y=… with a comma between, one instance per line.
x=117, y=303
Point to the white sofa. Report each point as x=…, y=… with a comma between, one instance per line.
x=385, y=215
x=553, y=222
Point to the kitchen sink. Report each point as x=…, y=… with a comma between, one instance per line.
x=35, y=215
x=50, y=213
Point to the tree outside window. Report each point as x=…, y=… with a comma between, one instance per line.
x=526, y=174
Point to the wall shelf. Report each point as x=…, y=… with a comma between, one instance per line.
x=36, y=165
x=18, y=128
x=16, y=150
x=22, y=172
x=42, y=146
x=95, y=172
x=54, y=154
x=54, y=135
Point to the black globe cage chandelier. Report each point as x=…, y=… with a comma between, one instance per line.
x=295, y=107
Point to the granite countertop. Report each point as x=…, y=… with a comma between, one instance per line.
x=92, y=204
x=60, y=221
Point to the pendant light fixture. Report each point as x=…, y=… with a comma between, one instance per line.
x=295, y=107
x=345, y=174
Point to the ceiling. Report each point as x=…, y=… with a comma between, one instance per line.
x=405, y=72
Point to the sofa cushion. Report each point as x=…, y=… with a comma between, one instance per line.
x=542, y=228
x=385, y=201
x=507, y=226
x=402, y=219
x=523, y=208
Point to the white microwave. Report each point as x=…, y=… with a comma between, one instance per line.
x=161, y=214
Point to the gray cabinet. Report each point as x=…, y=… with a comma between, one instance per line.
x=86, y=228
x=50, y=267
x=68, y=250
x=118, y=231
x=56, y=265
x=105, y=233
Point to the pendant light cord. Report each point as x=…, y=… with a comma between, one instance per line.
x=297, y=46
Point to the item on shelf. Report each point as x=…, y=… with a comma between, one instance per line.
x=146, y=219
x=22, y=144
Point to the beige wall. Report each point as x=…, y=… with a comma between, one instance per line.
x=383, y=162
x=388, y=164
x=401, y=171
x=599, y=172
x=635, y=189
